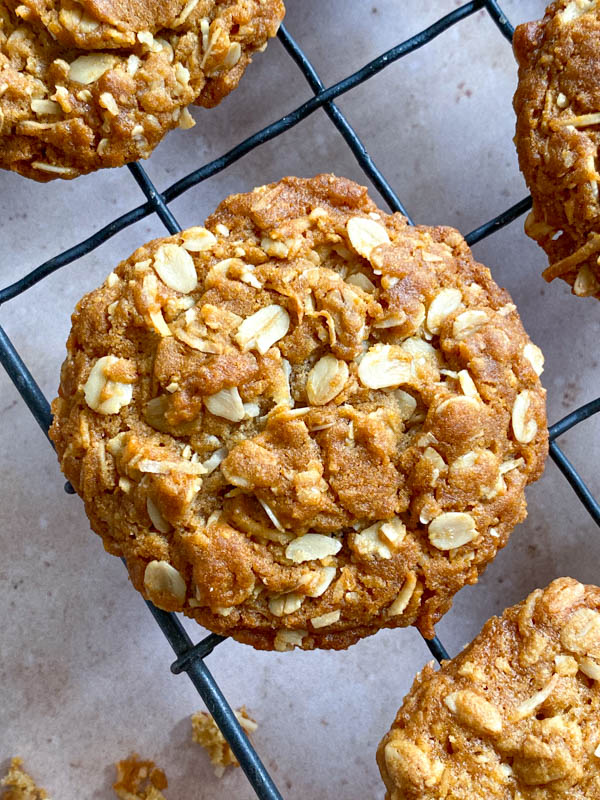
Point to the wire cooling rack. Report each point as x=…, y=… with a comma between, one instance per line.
x=191, y=657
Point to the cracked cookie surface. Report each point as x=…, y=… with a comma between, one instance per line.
x=558, y=133
x=98, y=83
x=304, y=422
x=516, y=716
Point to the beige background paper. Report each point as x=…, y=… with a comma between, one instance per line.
x=84, y=670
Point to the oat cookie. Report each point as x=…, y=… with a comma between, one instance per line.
x=98, y=83
x=558, y=132
x=516, y=716
x=304, y=422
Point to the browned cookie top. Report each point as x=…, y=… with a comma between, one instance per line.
x=558, y=133
x=516, y=716
x=97, y=83
x=304, y=422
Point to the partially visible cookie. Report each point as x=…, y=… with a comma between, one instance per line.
x=515, y=716
x=98, y=83
x=558, y=133
x=305, y=422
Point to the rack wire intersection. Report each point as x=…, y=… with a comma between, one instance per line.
x=191, y=657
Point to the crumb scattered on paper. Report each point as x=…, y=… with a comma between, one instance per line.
x=206, y=733
x=139, y=780
x=18, y=785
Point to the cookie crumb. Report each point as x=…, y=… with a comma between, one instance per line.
x=18, y=785
x=139, y=780
x=207, y=734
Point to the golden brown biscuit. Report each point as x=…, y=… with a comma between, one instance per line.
x=558, y=132
x=516, y=716
x=98, y=83
x=305, y=422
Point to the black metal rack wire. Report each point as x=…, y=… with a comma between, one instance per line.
x=191, y=657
